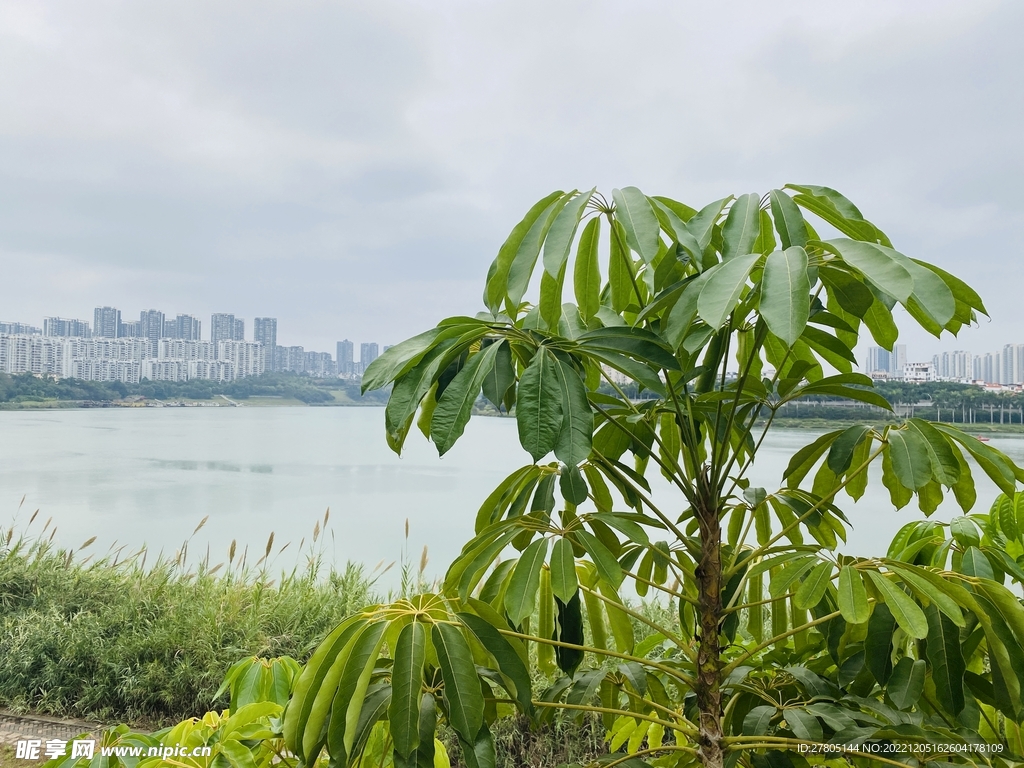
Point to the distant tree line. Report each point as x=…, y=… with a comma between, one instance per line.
x=26, y=387
x=936, y=401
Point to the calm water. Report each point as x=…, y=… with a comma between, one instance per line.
x=150, y=475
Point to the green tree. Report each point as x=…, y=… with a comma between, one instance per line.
x=718, y=317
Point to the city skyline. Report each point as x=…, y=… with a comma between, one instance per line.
x=154, y=324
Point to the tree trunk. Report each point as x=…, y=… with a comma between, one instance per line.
x=709, y=611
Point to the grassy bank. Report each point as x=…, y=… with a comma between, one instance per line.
x=116, y=638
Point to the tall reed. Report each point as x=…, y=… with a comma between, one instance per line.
x=117, y=638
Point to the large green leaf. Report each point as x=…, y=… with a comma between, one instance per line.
x=562, y=232
x=907, y=613
x=885, y=273
x=878, y=643
x=587, y=272
x=462, y=691
x=785, y=298
x=813, y=588
x=563, y=570
x=539, y=405
x=840, y=455
x=521, y=596
x=741, y=227
x=407, y=681
x=380, y=372
x=521, y=270
x=789, y=222
x=497, y=275
x=910, y=459
x=946, y=659
x=721, y=292
x=510, y=664
x=944, y=464
x=315, y=687
x=638, y=220
x=573, y=443
x=501, y=375
x=456, y=404
x=348, y=701
x=853, y=596
x=907, y=682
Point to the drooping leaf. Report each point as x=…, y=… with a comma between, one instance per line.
x=510, y=664
x=563, y=570
x=907, y=682
x=853, y=597
x=521, y=596
x=456, y=404
x=462, y=693
x=501, y=376
x=539, y=406
x=946, y=660
x=878, y=643
x=407, y=682
x=573, y=443
x=910, y=460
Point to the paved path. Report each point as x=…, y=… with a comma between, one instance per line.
x=14, y=728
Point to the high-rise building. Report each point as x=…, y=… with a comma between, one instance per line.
x=320, y=364
x=151, y=324
x=898, y=360
x=345, y=357
x=19, y=329
x=185, y=327
x=61, y=326
x=879, y=361
x=954, y=366
x=106, y=322
x=130, y=330
x=988, y=367
x=264, y=331
x=367, y=354
x=226, y=327
x=1012, y=364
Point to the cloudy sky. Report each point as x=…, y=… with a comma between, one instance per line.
x=352, y=168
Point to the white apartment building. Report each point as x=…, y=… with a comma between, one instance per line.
x=247, y=357
x=130, y=359
x=182, y=349
x=22, y=353
x=165, y=370
x=916, y=373
x=127, y=371
x=214, y=370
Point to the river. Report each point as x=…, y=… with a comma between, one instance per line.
x=150, y=475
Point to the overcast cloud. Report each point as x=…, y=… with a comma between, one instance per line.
x=352, y=168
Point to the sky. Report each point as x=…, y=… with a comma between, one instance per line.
x=352, y=168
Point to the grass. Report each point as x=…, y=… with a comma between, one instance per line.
x=8, y=759
x=116, y=639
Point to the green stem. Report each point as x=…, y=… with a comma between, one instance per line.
x=602, y=652
x=778, y=638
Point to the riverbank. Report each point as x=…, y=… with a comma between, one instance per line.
x=826, y=425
